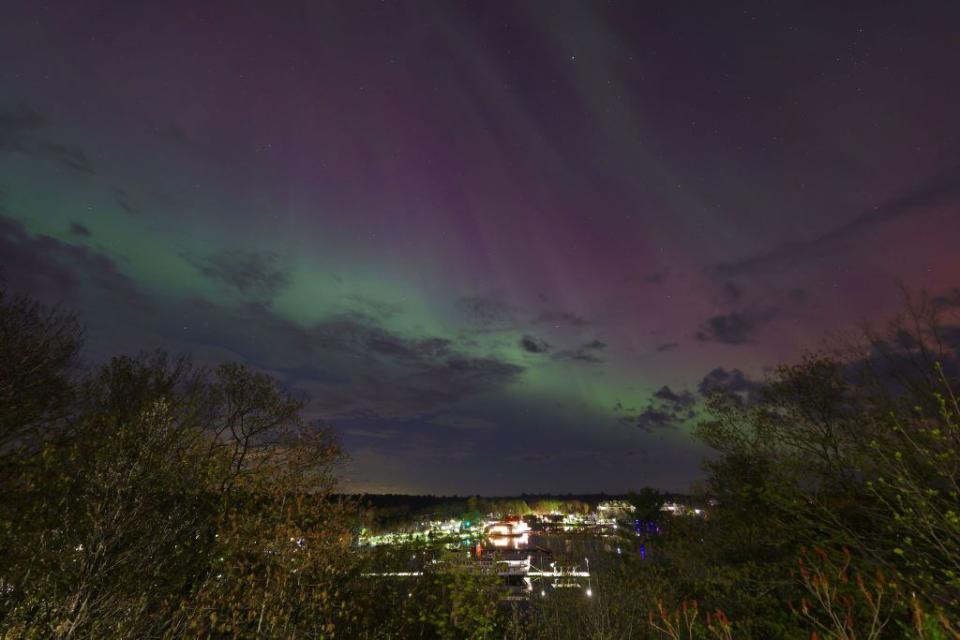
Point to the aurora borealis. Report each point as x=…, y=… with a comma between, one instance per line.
x=502, y=246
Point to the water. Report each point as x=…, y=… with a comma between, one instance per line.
x=575, y=547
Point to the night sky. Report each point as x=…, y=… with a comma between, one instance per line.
x=504, y=247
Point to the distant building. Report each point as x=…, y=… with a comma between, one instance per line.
x=614, y=509
x=678, y=509
x=508, y=527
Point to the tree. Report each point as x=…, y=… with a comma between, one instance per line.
x=647, y=503
x=186, y=501
x=857, y=449
x=39, y=362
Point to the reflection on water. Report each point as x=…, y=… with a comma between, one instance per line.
x=574, y=546
x=511, y=542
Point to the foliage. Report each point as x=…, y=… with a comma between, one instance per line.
x=845, y=451
x=149, y=498
x=39, y=350
x=840, y=605
x=151, y=491
x=646, y=503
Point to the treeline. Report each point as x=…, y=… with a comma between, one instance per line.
x=837, y=490
x=424, y=503
x=388, y=511
x=383, y=512
x=149, y=498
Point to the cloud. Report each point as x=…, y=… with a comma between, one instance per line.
x=679, y=400
x=250, y=273
x=353, y=335
x=487, y=312
x=377, y=308
x=651, y=419
x=656, y=277
x=127, y=202
x=668, y=346
x=380, y=434
x=732, y=328
x=70, y=157
x=948, y=300
x=577, y=355
x=18, y=128
x=52, y=269
x=584, y=353
x=350, y=362
x=561, y=318
x=531, y=344
x=79, y=230
x=460, y=422
x=21, y=117
x=457, y=375
x=899, y=358
x=940, y=188
x=950, y=337
x=17, y=121
x=667, y=409
x=737, y=327
x=734, y=382
x=417, y=353
x=172, y=131
x=557, y=457
x=732, y=292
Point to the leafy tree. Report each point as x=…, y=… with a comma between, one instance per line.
x=647, y=503
x=178, y=488
x=39, y=352
x=852, y=450
x=150, y=498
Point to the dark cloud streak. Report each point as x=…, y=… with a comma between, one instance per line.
x=941, y=188
x=258, y=274
x=734, y=328
x=56, y=270
x=531, y=344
